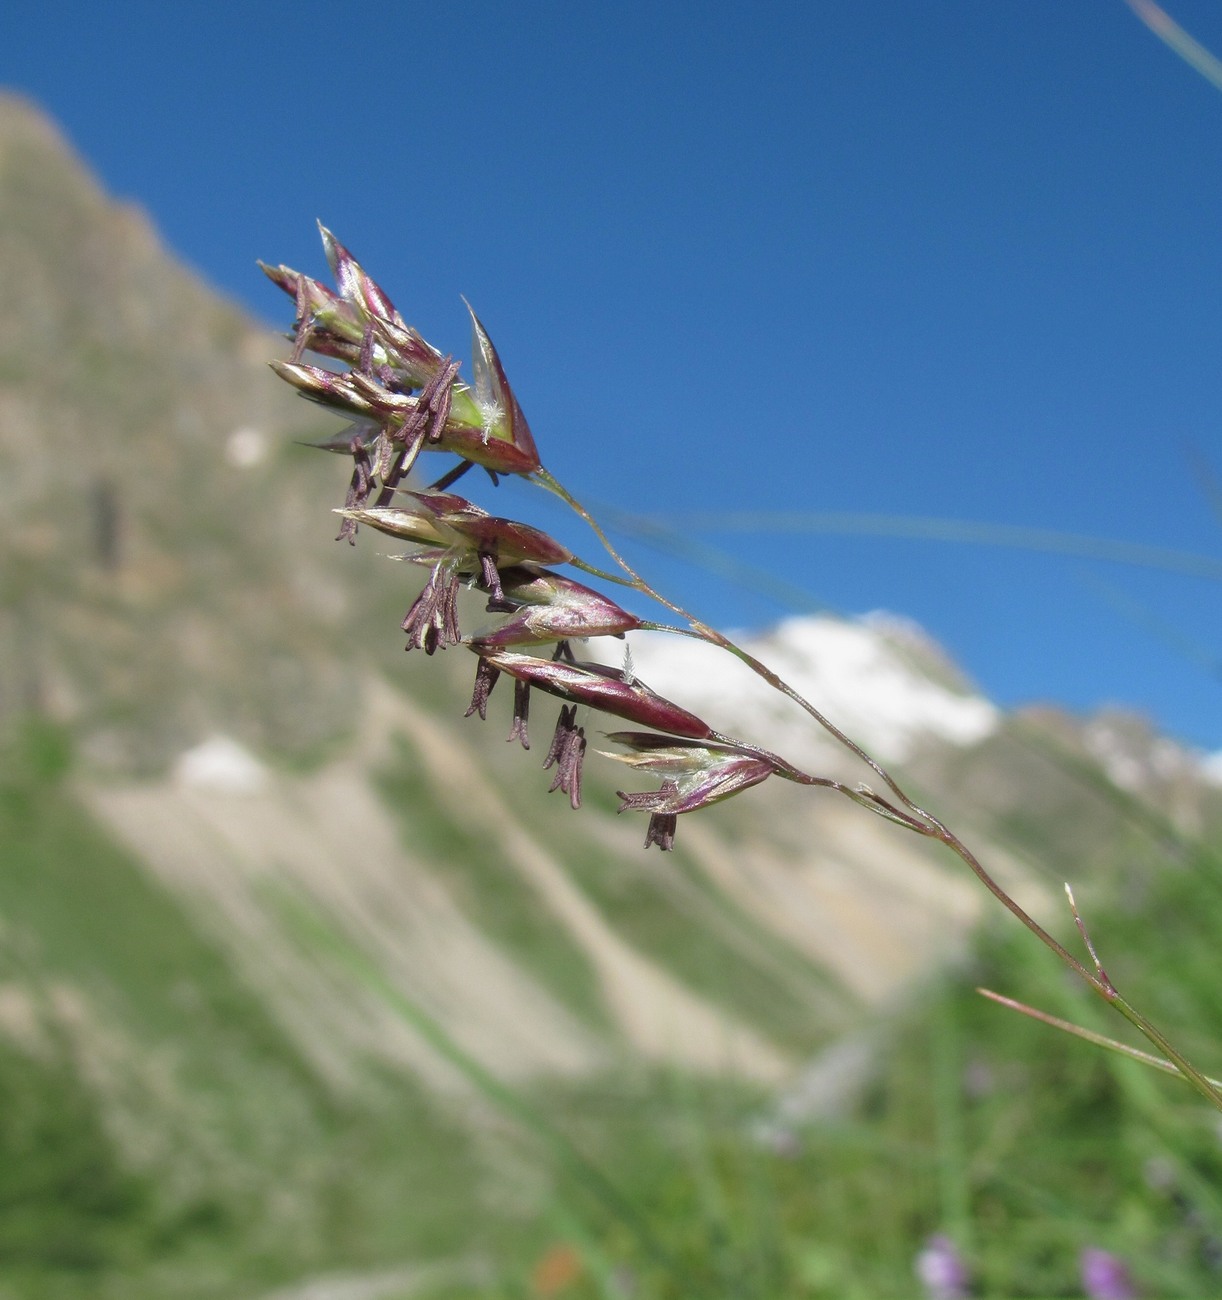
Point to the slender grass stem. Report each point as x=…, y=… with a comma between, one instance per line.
x=910, y=815
x=1089, y=1035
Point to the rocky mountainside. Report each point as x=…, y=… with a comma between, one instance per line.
x=153, y=495
x=264, y=885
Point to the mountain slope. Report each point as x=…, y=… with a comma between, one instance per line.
x=284, y=938
x=146, y=469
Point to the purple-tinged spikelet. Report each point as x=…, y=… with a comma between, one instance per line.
x=694, y=776
x=601, y=688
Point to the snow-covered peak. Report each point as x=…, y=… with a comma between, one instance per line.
x=880, y=680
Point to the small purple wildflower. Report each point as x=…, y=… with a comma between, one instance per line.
x=1105, y=1276
x=941, y=1271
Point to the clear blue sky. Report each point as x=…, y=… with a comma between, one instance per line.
x=949, y=259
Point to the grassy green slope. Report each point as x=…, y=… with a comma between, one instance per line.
x=1024, y=1145
x=157, y=1125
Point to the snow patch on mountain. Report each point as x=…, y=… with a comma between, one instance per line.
x=1211, y=766
x=1134, y=756
x=221, y=765
x=877, y=678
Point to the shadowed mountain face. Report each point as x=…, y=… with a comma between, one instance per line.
x=269, y=904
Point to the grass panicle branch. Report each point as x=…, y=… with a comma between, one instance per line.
x=403, y=400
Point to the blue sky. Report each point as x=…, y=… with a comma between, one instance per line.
x=944, y=260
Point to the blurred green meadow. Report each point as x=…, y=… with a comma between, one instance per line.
x=1023, y=1144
